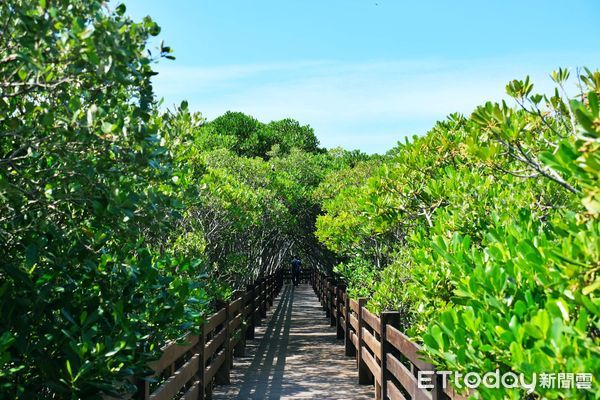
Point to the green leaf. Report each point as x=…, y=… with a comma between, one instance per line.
x=23, y=74
x=68, y=365
x=121, y=9
x=591, y=288
x=107, y=127
x=68, y=316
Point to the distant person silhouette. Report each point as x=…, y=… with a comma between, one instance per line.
x=296, y=270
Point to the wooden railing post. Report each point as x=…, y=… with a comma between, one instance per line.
x=327, y=286
x=143, y=390
x=222, y=375
x=319, y=278
x=338, y=307
x=437, y=393
x=326, y=305
x=263, y=298
x=332, y=302
x=321, y=284
x=387, y=318
x=349, y=349
x=259, y=304
x=273, y=288
x=324, y=291
x=269, y=292
x=322, y=288
x=257, y=298
x=251, y=323
x=201, y=362
x=319, y=287
x=279, y=280
x=239, y=349
x=364, y=374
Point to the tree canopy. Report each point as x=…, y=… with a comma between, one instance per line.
x=484, y=235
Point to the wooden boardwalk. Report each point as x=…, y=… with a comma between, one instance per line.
x=295, y=355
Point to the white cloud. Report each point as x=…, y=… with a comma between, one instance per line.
x=368, y=105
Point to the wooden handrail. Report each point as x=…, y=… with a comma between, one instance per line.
x=188, y=368
x=385, y=356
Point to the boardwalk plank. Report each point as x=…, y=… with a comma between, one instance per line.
x=295, y=356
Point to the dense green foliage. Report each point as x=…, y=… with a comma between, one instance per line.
x=120, y=223
x=79, y=187
x=484, y=234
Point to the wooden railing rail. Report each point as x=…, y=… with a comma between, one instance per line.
x=385, y=356
x=189, y=368
x=305, y=275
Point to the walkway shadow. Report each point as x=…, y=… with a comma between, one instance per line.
x=274, y=344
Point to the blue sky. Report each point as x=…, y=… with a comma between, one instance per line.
x=363, y=74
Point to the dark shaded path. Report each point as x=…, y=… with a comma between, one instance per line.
x=295, y=356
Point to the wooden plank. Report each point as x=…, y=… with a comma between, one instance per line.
x=175, y=382
x=372, y=342
x=354, y=322
x=193, y=393
x=408, y=349
x=248, y=295
x=212, y=346
x=235, y=323
x=393, y=392
x=406, y=378
x=235, y=340
x=236, y=306
x=214, y=366
x=371, y=363
x=247, y=310
x=386, y=318
x=215, y=320
x=354, y=339
x=171, y=352
x=371, y=320
x=354, y=305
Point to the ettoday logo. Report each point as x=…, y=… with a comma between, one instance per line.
x=507, y=380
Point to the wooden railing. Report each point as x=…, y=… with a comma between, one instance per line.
x=385, y=356
x=305, y=275
x=188, y=369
